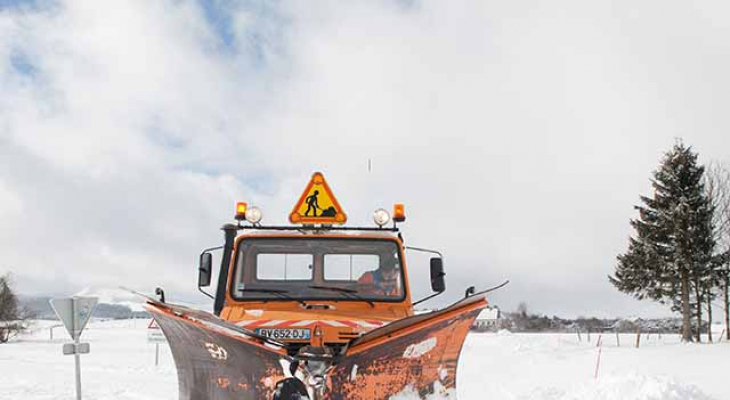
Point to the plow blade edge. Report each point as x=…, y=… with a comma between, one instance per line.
x=216, y=360
x=414, y=358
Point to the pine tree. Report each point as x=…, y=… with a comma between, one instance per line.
x=702, y=239
x=669, y=259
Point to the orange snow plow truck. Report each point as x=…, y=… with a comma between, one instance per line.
x=316, y=310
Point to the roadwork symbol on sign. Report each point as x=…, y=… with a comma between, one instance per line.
x=317, y=204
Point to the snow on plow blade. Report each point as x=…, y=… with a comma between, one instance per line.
x=216, y=360
x=412, y=358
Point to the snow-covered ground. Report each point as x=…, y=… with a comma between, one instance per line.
x=494, y=366
x=560, y=367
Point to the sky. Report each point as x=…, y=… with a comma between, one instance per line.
x=518, y=134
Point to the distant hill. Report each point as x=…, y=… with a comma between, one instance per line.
x=114, y=303
x=38, y=305
x=41, y=308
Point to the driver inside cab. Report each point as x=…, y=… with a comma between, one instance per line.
x=383, y=281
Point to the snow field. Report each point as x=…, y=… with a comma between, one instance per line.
x=494, y=366
x=560, y=367
x=120, y=366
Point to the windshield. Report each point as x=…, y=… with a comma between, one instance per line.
x=318, y=269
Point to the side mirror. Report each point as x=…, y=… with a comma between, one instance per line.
x=205, y=269
x=438, y=284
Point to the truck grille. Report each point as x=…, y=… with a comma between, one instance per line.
x=348, y=335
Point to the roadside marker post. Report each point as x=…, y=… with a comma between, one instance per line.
x=599, y=344
x=75, y=313
x=51, y=328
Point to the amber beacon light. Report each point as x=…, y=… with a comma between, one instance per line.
x=241, y=211
x=399, y=213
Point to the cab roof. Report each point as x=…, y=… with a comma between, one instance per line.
x=316, y=232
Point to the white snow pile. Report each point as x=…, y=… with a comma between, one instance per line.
x=440, y=393
x=563, y=367
x=626, y=387
x=419, y=349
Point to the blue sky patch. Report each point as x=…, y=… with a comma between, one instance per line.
x=22, y=63
x=25, y=4
x=261, y=37
x=219, y=16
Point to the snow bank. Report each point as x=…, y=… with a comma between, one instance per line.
x=562, y=367
x=628, y=387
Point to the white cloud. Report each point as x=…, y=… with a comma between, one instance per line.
x=519, y=136
x=10, y=202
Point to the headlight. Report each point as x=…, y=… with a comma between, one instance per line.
x=253, y=215
x=381, y=217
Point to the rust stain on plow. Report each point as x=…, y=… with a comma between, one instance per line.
x=423, y=362
x=248, y=371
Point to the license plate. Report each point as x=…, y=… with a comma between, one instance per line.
x=295, y=334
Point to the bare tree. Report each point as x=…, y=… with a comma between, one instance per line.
x=717, y=184
x=13, y=318
x=522, y=309
x=520, y=317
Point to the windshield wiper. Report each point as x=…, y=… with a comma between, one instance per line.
x=352, y=293
x=277, y=292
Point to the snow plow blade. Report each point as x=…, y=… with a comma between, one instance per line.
x=217, y=360
x=413, y=358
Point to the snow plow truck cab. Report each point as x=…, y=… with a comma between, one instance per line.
x=315, y=310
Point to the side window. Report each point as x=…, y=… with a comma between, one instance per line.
x=349, y=267
x=284, y=267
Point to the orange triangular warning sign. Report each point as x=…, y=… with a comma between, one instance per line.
x=317, y=205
